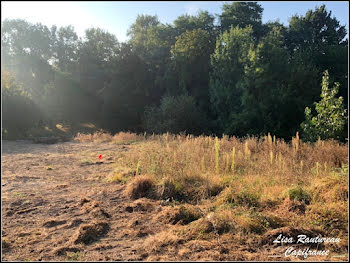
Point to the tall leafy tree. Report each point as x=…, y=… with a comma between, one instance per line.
x=19, y=112
x=228, y=61
x=191, y=62
x=26, y=53
x=96, y=55
x=138, y=30
x=264, y=101
x=152, y=41
x=203, y=20
x=128, y=93
x=242, y=14
x=64, y=45
x=320, y=38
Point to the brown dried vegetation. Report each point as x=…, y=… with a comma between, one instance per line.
x=176, y=197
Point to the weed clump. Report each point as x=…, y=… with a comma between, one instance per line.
x=74, y=256
x=239, y=197
x=159, y=241
x=141, y=186
x=170, y=189
x=299, y=194
x=88, y=233
x=185, y=214
x=5, y=244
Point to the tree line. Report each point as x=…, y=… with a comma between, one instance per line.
x=203, y=74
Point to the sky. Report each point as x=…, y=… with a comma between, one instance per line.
x=116, y=17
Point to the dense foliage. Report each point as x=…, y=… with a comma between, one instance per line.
x=236, y=76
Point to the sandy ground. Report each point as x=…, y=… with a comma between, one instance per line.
x=57, y=206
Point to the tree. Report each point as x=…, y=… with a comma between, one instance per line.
x=191, y=62
x=264, y=101
x=151, y=41
x=302, y=73
x=203, y=20
x=315, y=30
x=96, y=57
x=22, y=38
x=138, y=30
x=320, y=39
x=129, y=91
x=227, y=62
x=26, y=53
x=331, y=117
x=65, y=44
x=241, y=14
x=100, y=46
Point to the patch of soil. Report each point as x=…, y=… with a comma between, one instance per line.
x=5, y=245
x=75, y=223
x=52, y=223
x=61, y=251
x=99, y=213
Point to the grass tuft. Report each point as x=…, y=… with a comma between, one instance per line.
x=141, y=186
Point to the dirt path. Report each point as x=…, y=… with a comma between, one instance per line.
x=55, y=200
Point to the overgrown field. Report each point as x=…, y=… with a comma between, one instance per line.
x=170, y=197
x=238, y=191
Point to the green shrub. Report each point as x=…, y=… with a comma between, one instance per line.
x=299, y=194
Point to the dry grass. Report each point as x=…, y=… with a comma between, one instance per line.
x=159, y=241
x=183, y=214
x=245, y=187
x=88, y=233
x=141, y=186
x=101, y=136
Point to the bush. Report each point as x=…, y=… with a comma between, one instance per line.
x=174, y=114
x=299, y=194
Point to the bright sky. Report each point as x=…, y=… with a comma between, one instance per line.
x=116, y=17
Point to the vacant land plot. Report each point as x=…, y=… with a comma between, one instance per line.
x=171, y=198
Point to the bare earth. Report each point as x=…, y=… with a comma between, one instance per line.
x=42, y=209
x=57, y=206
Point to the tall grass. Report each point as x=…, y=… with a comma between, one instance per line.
x=258, y=183
x=201, y=159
